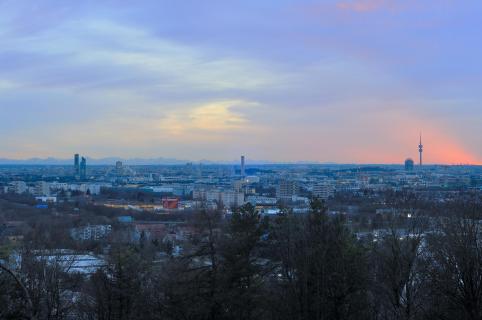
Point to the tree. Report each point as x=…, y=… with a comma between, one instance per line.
x=116, y=290
x=241, y=266
x=399, y=276
x=44, y=285
x=322, y=269
x=13, y=308
x=456, y=271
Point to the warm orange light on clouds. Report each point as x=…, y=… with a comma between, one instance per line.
x=342, y=81
x=214, y=117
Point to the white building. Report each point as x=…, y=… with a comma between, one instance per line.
x=232, y=198
x=18, y=187
x=57, y=186
x=92, y=188
x=42, y=189
x=228, y=198
x=324, y=189
x=46, y=199
x=252, y=179
x=68, y=260
x=91, y=232
x=286, y=189
x=304, y=200
x=213, y=195
x=85, y=264
x=257, y=200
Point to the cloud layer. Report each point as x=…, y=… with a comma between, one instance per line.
x=284, y=80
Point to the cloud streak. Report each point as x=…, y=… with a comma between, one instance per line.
x=365, y=5
x=346, y=81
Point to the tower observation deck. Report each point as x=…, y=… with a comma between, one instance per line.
x=420, y=150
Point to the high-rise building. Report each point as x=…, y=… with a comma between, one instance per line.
x=189, y=168
x=420, y=149
x=77, y=165
x=286, y=189
x=83, y=168
x=243, y=166
x=119, y=168
x=42, y=189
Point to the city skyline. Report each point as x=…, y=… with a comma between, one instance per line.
x=240, y=159
x=282, y=81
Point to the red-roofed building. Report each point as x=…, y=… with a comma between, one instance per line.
x=170, y=203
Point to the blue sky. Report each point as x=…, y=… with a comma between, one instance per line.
x=345, y=81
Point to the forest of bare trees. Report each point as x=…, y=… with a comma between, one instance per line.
x=299, y=267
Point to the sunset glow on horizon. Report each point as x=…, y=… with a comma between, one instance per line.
x=347, y=81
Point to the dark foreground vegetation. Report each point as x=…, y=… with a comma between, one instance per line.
x=285, y=267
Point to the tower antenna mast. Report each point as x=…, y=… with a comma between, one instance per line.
x=420, y=149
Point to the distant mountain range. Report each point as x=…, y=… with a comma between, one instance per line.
x=172, y=161
x=92, y=161
x=135, y=161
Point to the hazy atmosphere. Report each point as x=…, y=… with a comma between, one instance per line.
x=240, y=159
x=329, y=81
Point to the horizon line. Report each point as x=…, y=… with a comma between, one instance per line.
x=175, y=161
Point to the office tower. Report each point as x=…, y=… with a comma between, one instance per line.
x=409, y=164
x=83, y=168
x=243, y=168
x=77, y=165
x=119, y=168
x=420, y=149
x=189, y=168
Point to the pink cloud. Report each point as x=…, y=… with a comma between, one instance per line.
x=364, y=5
x=367, y=6
x=343, y=10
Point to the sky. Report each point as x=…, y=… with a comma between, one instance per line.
x=350, y=81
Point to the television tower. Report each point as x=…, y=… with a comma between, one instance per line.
x=420, y=149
